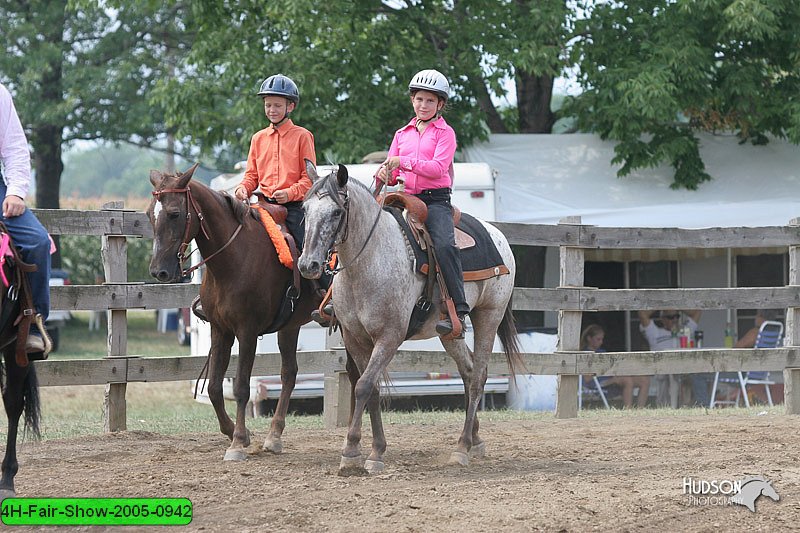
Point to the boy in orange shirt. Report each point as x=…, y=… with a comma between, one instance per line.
x=276, y=159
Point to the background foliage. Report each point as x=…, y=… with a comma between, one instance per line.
x=181, y=76
x=655, y=72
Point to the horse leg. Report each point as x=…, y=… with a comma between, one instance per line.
x=287, y=344
x=352, y=375
x=473, y=369
x=219, y=359
x=20, y=395
x=366, y=388
x=241, y=392
x=374, y=463
x=13, y=398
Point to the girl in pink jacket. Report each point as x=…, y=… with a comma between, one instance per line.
x=421, y=156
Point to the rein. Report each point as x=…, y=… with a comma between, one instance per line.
x=345, y=221
x=182, y=255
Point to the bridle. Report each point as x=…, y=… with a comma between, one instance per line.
x=191, y=203
x=344, y=224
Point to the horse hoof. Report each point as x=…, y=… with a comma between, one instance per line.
x=458, y=458
x=374, y=467
x=7, y=493
x=273, y=445
x=235, y=454
x=478, y=451
x=351, y=466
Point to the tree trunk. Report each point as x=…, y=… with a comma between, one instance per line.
x=493, y=119
x=46, y=138
x=47, y=160
x=533, y=100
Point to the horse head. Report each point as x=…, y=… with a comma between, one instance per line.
x=173, y=227
x=326, y=210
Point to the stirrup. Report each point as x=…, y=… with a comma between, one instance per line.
x=316, y=316
x=445, y=326
x=39, y=344
x=197, y=309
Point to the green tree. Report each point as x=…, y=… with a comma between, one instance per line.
x=655, y=72
x=353, y=59
x=82, y=71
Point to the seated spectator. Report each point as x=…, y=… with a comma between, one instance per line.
x=748, y=340
x=592, y=340
x=661, y=333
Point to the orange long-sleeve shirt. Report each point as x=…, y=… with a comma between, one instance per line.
x=276, y=161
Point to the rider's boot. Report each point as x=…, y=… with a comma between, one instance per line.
x=445, y=326
x=323, y=284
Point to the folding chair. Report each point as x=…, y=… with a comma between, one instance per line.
x=770, y=335
x=595, y=390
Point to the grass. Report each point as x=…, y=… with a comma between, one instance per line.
x=77, y=342
x=168, y=407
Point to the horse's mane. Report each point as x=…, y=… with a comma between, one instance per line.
x=239, y=209
x=329, y=185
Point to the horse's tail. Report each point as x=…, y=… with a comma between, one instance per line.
x=30, y=393
x=508, y=338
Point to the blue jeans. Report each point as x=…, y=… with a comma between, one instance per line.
x=33, y=242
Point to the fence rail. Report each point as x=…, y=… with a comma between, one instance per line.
x=570, y=299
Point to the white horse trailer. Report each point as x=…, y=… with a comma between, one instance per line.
x=473, y=193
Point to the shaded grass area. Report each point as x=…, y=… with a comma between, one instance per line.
x=77, y=342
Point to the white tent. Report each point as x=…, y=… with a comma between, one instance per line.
x=544, y=178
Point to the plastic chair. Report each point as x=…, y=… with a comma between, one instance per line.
x=770, y=335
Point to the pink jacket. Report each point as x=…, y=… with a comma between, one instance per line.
x=426, y=161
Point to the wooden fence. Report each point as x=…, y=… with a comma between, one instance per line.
x=570, y=299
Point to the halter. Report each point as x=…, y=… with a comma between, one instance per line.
x=192, y=203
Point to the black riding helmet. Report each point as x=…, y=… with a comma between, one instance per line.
x=280, y=85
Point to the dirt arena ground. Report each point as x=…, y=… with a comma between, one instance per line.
x=608, y=473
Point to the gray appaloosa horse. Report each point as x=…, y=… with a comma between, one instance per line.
x=374, y=294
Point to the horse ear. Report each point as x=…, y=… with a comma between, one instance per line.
x=311, y=170
x=186, y=176
x=156, y=177
x=342, y=176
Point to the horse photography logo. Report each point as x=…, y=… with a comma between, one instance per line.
x=743, y=492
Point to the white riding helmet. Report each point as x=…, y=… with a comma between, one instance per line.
x=430, y=80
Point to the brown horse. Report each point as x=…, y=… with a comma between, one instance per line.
x=244, y=288
x=18, y=377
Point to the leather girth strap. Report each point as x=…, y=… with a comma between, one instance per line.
x=292, y=293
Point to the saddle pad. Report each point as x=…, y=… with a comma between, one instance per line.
x=275, y=235
x=484, y=254
x=478, y=262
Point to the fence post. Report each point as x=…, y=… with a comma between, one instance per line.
x=569, y=323
x=791, y=376
x=114, y=251
x=336, y=395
